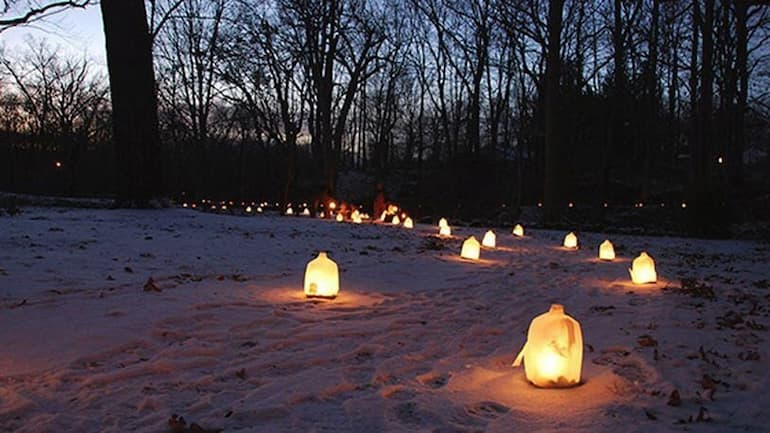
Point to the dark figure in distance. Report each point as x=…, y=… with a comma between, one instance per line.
x=379, y=205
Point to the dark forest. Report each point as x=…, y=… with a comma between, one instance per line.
x=473, y=108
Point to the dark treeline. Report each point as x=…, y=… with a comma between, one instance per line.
x=479, y=102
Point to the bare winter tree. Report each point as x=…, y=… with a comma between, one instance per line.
x=188, y=49
x=62, y=103
x=340, y=41
x=19, y=12
x=263, y=71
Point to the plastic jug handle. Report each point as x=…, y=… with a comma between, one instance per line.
x=519, y=357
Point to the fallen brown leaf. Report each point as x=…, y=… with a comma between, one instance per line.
x=150, y=286
x=674, y=399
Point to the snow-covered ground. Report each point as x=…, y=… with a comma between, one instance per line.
x=418, y=340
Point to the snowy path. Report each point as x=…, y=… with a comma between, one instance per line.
x=418, y=340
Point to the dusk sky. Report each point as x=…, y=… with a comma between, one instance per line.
x=76, y=32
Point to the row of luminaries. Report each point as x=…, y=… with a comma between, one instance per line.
x=642, y=269
x=553, y=352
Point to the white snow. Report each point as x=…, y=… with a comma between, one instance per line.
x=418, y=340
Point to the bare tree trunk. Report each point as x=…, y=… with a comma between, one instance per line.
x=673, y=87
x=706, y=200
x=615, y=132
x=651, y=101
x=694, y=138
x=554, y=169
x=735, y=158
x=134, y=102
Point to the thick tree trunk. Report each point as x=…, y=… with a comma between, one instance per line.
x=616, y=130
x=554, y=169
x=651, y=95
x=707, y=209
x=134, y=102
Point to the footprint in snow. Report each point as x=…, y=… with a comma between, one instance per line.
x=408, y=413
x=487, y=409
x=434, y=380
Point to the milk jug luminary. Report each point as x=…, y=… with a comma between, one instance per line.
x=470, y=249
x=553, y=353
x=322, y=277
x=489, y=239
x=643, y=270
x=606, y=250
x=571, y=241
x=443, y=223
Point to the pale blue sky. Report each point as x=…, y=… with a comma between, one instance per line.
x=76, y=32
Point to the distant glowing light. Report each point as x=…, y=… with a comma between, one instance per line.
x=57, y=164
x=720, y=160
x=470, y=249
x=571, y=241
x=606, y=250
x=408, y=223
x=489, y=239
